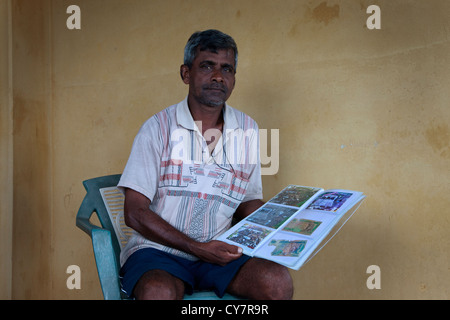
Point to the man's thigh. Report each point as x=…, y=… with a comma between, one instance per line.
x=262, y=279
x=159, y=285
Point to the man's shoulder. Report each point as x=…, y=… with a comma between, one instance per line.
x=243, y=120
x=166, y=113
x=161, y=118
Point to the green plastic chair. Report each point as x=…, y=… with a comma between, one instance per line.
x=105, y=200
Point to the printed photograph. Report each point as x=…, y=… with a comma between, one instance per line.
x=330, y=201
x=294, y=196
x=249, y=235
x=286, y=248
x=272, y=216
x=302, y=226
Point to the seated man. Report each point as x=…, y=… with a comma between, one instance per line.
x=193, y=167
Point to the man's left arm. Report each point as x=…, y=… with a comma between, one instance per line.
x=246, y=208
x=254, y=190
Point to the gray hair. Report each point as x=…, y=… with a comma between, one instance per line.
x=211, y=40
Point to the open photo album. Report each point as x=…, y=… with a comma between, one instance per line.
x=289, y=228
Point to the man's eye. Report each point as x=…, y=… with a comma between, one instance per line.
x=206, y=67
x=228, y=69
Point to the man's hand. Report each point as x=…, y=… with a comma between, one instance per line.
x=217, y=252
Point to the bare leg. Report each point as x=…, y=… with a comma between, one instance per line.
x=159, y=285
x=262, y=280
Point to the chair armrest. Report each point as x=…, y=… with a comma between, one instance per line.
x=107, y=268
x=84, y=214
x=85, y=225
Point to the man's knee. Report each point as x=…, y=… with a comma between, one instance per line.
x=263, y=280
x=159, y=285
x=278, y=284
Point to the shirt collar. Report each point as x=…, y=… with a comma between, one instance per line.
x=184, y=117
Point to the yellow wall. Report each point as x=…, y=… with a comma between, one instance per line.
x=356, y=108
x=6, y=152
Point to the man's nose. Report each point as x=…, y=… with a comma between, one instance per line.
x=217, y=75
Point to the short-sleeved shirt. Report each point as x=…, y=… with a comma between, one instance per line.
x=194, y=190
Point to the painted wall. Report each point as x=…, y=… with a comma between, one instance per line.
x=6, y=152
x=356, y=108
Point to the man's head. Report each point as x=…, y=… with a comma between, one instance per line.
x=209, y=67
x=209, y=40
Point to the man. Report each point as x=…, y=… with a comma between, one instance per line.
x=193, y=167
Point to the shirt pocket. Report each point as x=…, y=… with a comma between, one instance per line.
x=237, y=188
x=171, y=174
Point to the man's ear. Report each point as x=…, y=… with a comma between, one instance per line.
x=184, y=73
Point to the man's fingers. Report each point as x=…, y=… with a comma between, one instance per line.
x=235, y=250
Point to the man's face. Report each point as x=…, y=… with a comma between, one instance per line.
x=211, y=78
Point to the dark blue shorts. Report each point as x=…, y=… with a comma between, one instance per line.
x=196, y=275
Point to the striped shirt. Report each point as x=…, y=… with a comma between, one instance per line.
x=193, y=189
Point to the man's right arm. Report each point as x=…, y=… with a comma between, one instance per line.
x=139, y=217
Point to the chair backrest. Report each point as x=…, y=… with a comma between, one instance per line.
x=114, y=199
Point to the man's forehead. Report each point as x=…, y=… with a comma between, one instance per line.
x=222, y=55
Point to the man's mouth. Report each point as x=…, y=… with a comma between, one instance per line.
x=215, y=88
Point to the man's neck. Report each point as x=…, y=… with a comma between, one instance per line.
x=208, y=117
